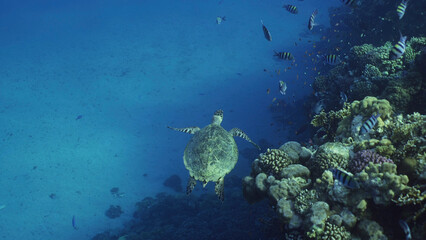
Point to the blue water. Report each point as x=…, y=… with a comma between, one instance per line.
x=129, y=69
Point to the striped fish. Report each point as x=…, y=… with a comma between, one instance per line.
x=399, y=48
x=406, y=229
x=291, y=8
x=311, y=22
x=284, y=55
x=348, y=2
x=369, y=124
x=282, y=87
x=345, y=178
x=330, y=59
x=401, y=8
x=266, y=32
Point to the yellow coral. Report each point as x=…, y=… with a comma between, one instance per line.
x=273, y=161
x=371, y=105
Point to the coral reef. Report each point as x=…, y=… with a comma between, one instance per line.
x=327, y=209
x=198, y=217
x=382, y=182
x=330, y=155
x=368, y=71
x=113, y=212
x=362, y=158
x=273, y=161
x=174, y=182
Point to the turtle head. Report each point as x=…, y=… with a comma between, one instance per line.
x=217, y=117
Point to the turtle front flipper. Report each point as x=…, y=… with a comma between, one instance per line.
x=239, y=133
x=191, y=185
x=218, y=188
x=190, y=130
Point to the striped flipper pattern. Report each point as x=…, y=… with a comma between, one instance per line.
x=239, y=133
x=190, y=130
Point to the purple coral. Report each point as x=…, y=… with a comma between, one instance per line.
x=362, y=158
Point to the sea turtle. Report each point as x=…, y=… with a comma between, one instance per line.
x=211, y=153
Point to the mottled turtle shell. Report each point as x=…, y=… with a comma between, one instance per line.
x=210, y=154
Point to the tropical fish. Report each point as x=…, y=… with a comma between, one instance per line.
x=220, y=19
x=284, y=55
x=311, y=22
x=319, y=106
x=266, y=32
x=406, y=229
x=345, y=178
x=79, y=117
x=73, y=223
x=330, y=59
x=343, y=98
x=399, y=48
x=291, y=8
x=401, y=8
x=348, y=2
x=369, y=124
x=282, y=87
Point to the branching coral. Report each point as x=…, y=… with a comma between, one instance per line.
x=305, y=200
x=329, y=121
x=334, y=232
x=362, y=158
x=411, y=196
x=273, y=161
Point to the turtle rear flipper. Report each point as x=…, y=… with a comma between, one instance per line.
x=218, y=188
x=191, y=185
x=190, y=130
x=239, y=133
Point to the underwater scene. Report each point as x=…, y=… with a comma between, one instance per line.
x=215, y=119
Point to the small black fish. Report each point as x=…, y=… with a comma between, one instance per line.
x=79, y=117
x=266, y=32
x=348, y=2
x=73, y=223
